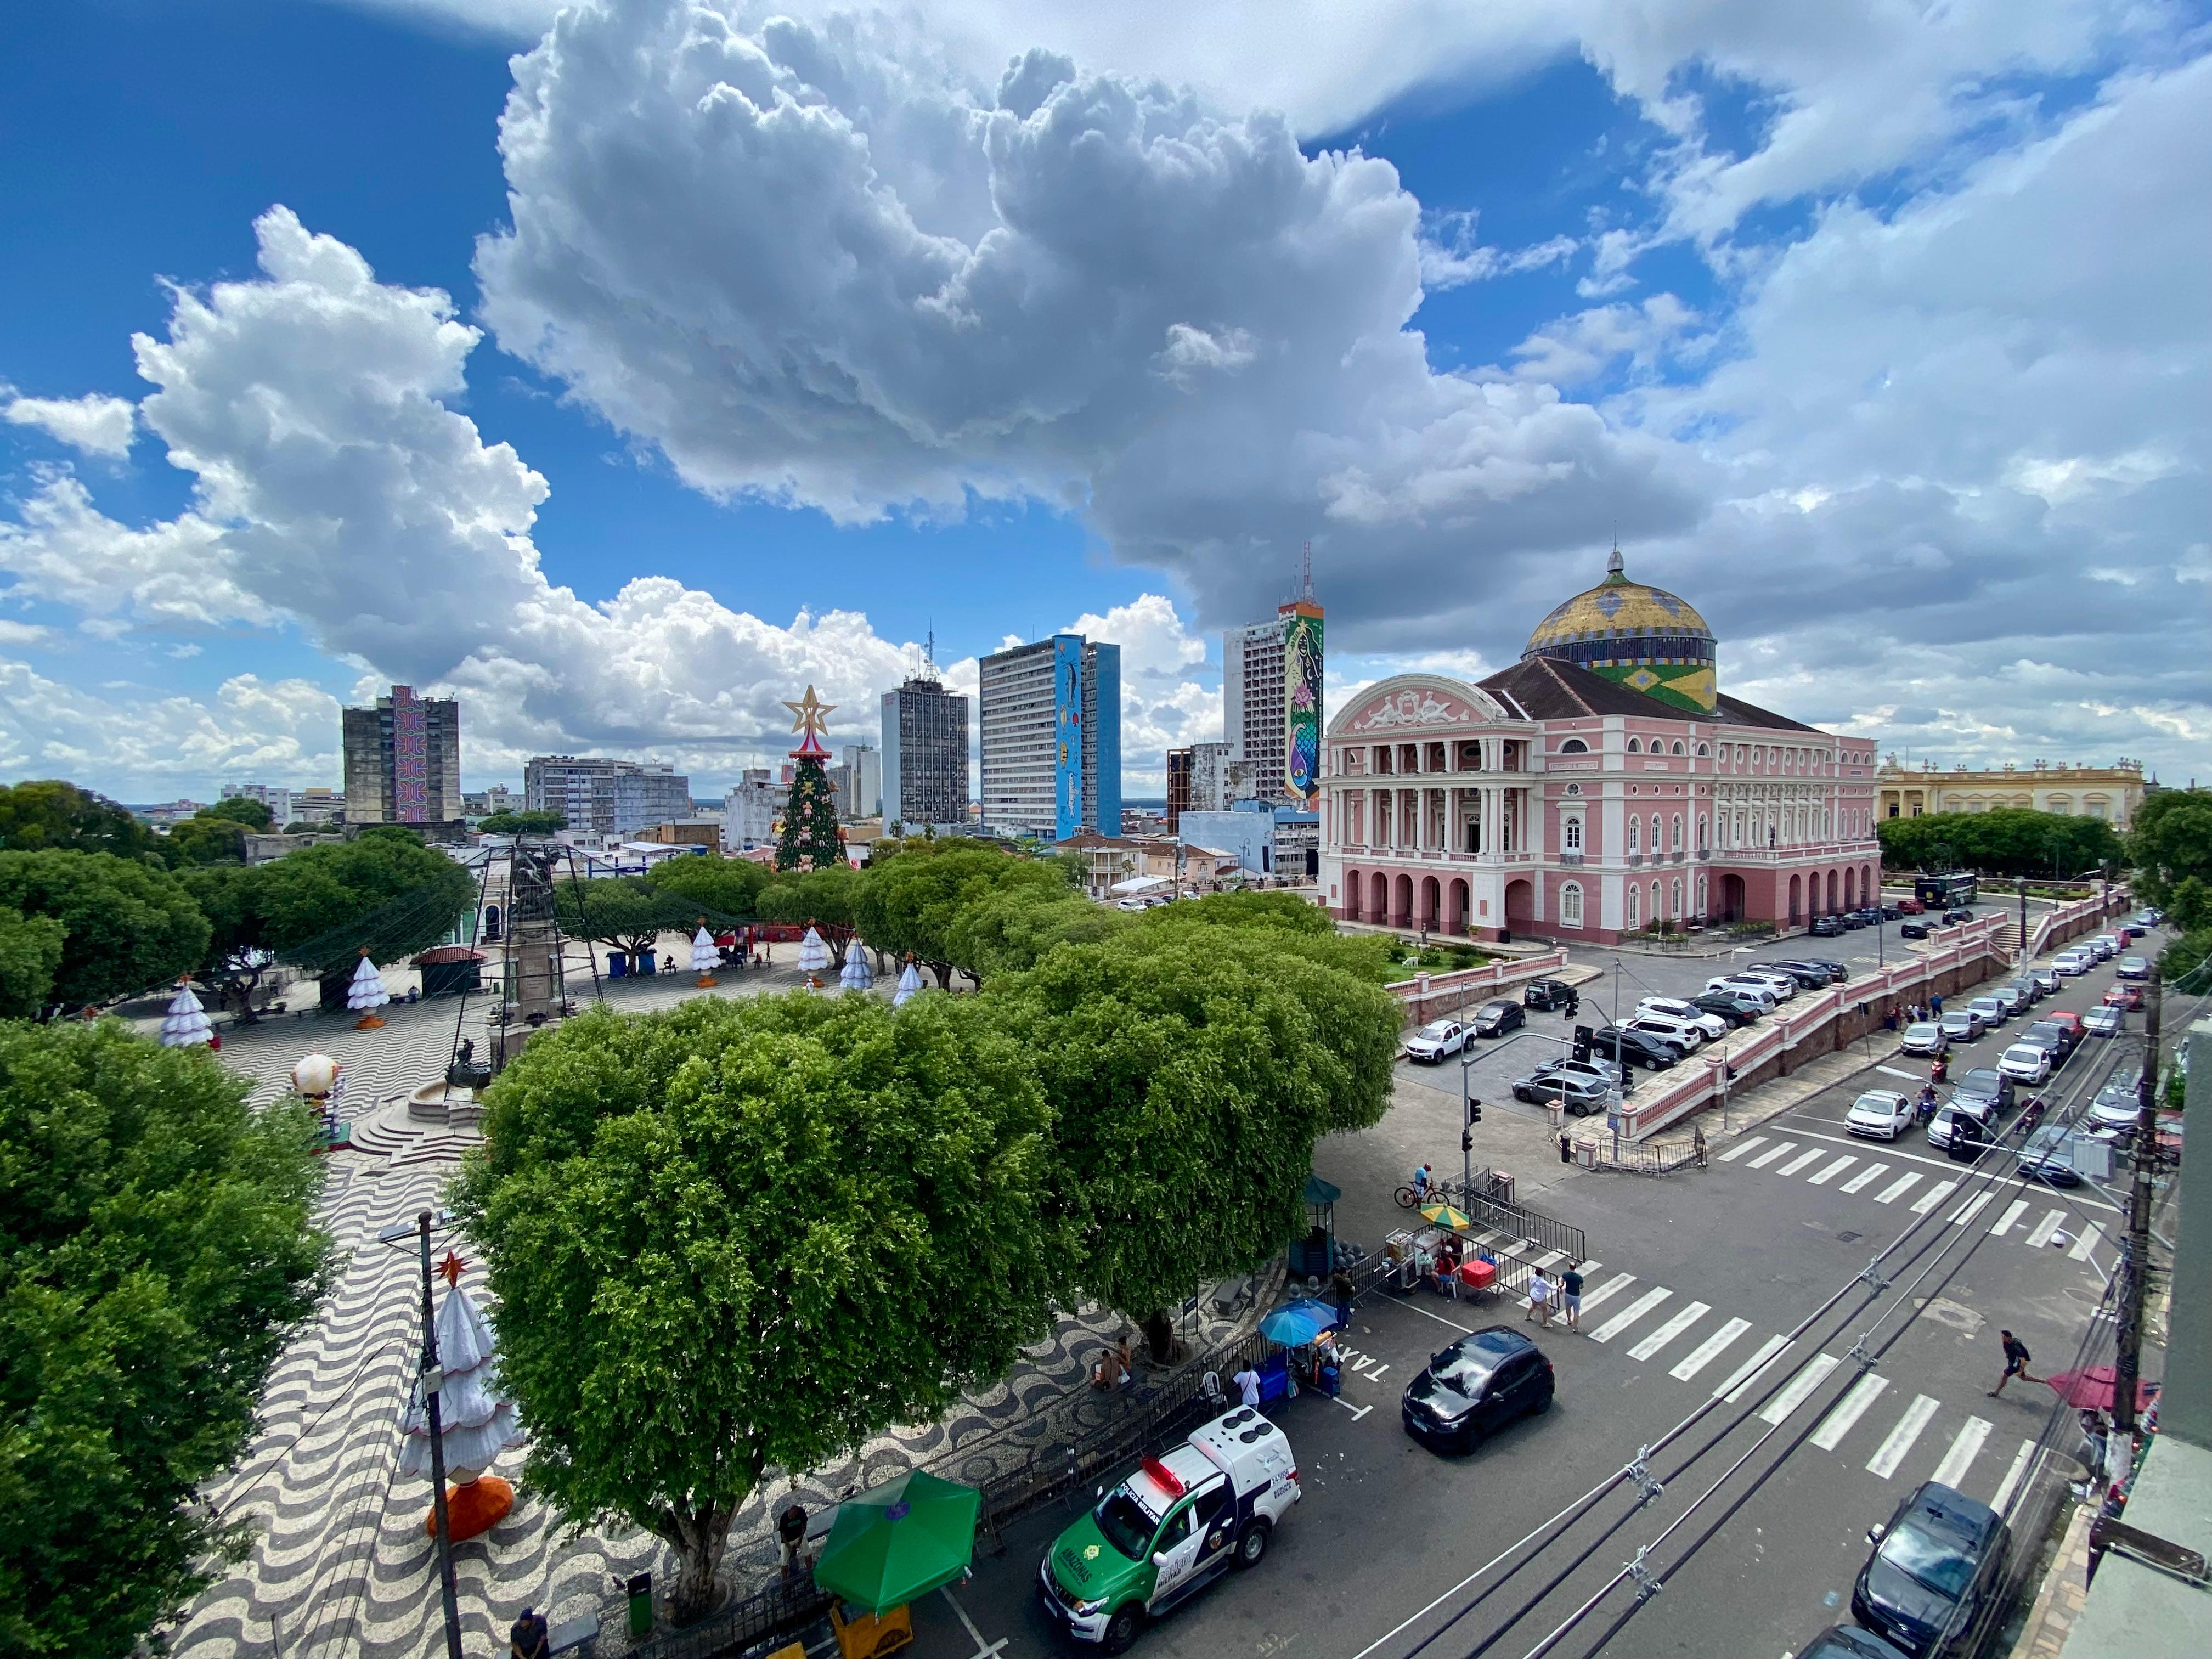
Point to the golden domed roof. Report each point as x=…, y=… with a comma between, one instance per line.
x=1619, y=609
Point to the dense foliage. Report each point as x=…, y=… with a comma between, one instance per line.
x=2170, y=847
x=155, y=1256
x=128, y=925
x=750, y=1234
x=30, y=955
x=523, y=823
x=728, y=886
x=2011, y=841
x=48, y=814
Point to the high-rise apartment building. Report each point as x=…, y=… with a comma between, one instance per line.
x=1051, y=737
x=402, y=761
x=924, y=762
x=749, y=812
x=1271, y=698
x=600, y=796
x=858, y=781
x=1197, y=781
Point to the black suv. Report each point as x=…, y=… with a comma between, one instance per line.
x=1475, y=1387
x=1985, y=1090
x=1934, y=1568
x=1497, y=1018
x=1826, y=928
x=1627, y=1048
x=1805, y=974
x=1549, y=993
x=1737, y=1014
x=1952, y=918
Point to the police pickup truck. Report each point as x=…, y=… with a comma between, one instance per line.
x=1170, y=1530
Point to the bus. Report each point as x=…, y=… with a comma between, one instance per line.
x=1947, y=892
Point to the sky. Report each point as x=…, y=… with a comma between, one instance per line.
x=623, y=368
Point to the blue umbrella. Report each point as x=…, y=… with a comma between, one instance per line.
x=1297, y=1323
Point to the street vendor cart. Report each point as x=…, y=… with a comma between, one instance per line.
x=889, y=1547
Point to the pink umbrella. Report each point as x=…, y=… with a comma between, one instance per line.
x=2097, y=1387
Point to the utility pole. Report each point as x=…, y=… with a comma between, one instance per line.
x=2023, y=918
x=2135, y=1266
x=433, y=1382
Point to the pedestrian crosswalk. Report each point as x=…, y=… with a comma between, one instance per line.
x=1922, y=1192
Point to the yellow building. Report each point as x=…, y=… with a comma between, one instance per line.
x=2112, y=792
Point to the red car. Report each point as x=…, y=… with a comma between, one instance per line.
x=1911, y=907
x=2129, y=997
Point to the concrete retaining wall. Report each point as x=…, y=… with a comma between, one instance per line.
x=1432, y=996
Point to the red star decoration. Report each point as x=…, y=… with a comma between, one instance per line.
x=452, y=1268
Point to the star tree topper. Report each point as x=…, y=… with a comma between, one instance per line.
x=810, y=715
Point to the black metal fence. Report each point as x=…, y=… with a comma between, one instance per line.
x=786, y=1606
x=1647, y=1158
x=1518, y=1221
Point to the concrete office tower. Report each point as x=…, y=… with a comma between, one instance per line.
x=1051, y=737
x=402, y=761
x=1270, y=699
x=859, y=780
x=1197, y=781
x=749, y=812
x=924, y=777
x=603, y=797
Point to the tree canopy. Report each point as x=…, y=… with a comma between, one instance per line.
x=384, y=890
x=730, y=886
x=48, y=814
x=628, y=913
x=239, y=809
x=2011, y=841
x=749, y=1234
x=205, y=839
x=911, y=901
x=523, y=823
x=2170, y=847
x=30, y=955
x=128, y=926
x=156, y=1252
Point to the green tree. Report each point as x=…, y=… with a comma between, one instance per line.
x=384, y=890
x=202, y=840
x=129, y=926
x=729, y=887
x=624, y=912
x=30, y=955
x=49, y=814
x=827, y=895
x=1012, y=928
x=810, y=838
x=158, y=1255
x=749, y=1234
x=2171, y=848
x=1192, y=1072
x=1289, y=924
x=2011, y=841
x=232, y=896
x=910, y=902
x=238, y=809
x=523, y=823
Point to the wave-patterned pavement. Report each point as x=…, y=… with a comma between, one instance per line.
x=340, y=1563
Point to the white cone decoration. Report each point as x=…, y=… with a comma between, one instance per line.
x=478, y=1419
x=185, y=1023
x=365, y=992
x=858, y=975
x=909, y=984
x=813, y=954
x=705, y=958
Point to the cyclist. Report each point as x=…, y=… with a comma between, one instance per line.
x=1421, y=1180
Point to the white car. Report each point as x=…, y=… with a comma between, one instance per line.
x=1780, y=986
x=1761, y=993
x=2104, y=1022
x=1712, y=1025
x=1880, y=1114
x=1437, y=1039
x=2074, y=963
x=2025, y=1062
x=1684, y=1035
x=1923, y=1036
x=2107, y=946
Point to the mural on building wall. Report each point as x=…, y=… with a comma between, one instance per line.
x=1302, y=683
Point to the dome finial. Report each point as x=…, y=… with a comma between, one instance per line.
x=1615, y=570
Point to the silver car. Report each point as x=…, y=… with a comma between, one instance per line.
x=1961, y=1024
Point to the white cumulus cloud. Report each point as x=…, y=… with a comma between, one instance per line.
x=97, y=425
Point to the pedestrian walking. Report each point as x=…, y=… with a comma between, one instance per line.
x=2016, y=1357
x=1539, y=1299
x=791, y=1531
x=1248, y=1384
x=1935, y=1002
x=1570, y=1295
x=1339, y=1284
x=527, y=1637
x=1697, y=1143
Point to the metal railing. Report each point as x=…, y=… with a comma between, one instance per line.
x=1517, y=1221
x=1645, y=1158
x=785, y=1605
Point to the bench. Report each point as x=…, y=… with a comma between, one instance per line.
x=579, y=1635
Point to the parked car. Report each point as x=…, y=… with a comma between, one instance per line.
x=1811, y=976
x=1549, y=993
x=1737, y=1012
x=2010, y=999
x=2030, y=993
x=1826, y=927
x=1711, y=1027
x=1636, y=1049
x=2070, y=1019
x=1785, y=985
x=2133, y=968
x=1991, y=1011
x=1961, y=1024
x=2072, y=964
x=2047, y=1156
x=1986, y=1085
x=1580, y=1095
x=1892, y=912
x=1686, y=1038
x=1912, y=929
x=2047, y=979
x=1438, y=1038
x=1603, y=1070
x=2107, y=946
x=2129, y=999
x=1952, y=918
x=1476, y=1387
x=2104, y=1022
x=2146, y=918
x=1909, y=906
x=1934, y=1566
x=1170, y=1530
x=1880, y=1114
x=2053, y=1038
x=1837, y=972
x=1923, y=1036
x=2026, y=1062
x=1867, y=915
x=1759, y=991
x=2115, y=1112
x=1495, y=1019
x=1848, y=1642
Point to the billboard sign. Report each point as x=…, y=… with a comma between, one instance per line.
x=1302, y=692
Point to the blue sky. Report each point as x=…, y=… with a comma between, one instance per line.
x=1800, y=311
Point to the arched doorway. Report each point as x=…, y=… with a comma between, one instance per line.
x=1796, y=900
x=1378, y=898
x=1401, y=913
x=1850, y=889
x=1355, y=888
x=1832, y=888
x=491, y=921
x=1431, y=904
x=1520, y=902
x=1457, y=916
x=1731, y=898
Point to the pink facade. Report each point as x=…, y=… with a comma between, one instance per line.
x=1552, y=802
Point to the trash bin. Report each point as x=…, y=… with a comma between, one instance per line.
x=617, y=965
x=640, y=1589
x=645, y=962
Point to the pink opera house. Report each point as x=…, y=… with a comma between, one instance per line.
x=1600, y=786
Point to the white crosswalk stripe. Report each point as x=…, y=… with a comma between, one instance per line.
x=1752, y=1369
x=2090, y=1235
x=1892, y=1453
x=2011, y=1482
x=1628, y=1316
x=1798, y=1388
x=1742, y=1148
x=1802, y=1160
x=2041, y=1233
x=1894, y=1188
x=1865, y=1177
x=1965, y=1448
x=1668, y=1332
x=2014, y=1211
x=1710, y=1349
x=1606, y=1291
x=1851, y=1407
x=1767, y=1158
x=1935, y=1195
x=1835, y=1169
x=1971, y=1208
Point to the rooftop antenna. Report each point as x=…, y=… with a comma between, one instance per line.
x=1305, y=572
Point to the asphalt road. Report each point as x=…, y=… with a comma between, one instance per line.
x=1697, y=1274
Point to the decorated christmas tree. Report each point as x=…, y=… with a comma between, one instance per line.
x=810, y=838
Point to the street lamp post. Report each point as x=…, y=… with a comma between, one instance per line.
x=431, y=1377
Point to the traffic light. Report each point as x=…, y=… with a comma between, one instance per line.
x=1474, y=1113
x=1466, y=1132
x=1583, y=1038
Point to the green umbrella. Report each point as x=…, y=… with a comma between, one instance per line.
x=900, y=1541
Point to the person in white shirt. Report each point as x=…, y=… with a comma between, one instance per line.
x=1247, y=1385
x=1539, y=1299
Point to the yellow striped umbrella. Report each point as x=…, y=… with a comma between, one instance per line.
x=1443, y=1215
